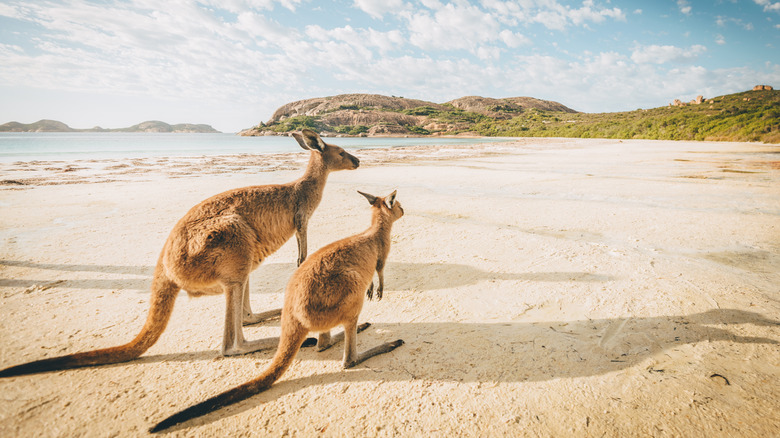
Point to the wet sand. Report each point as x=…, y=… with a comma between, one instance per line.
x=548, y=287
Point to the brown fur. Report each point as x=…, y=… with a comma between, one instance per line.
x=213, y=249
x=326, y=291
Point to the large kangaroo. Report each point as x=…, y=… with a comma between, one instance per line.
x=212, y=250
x=324, y=292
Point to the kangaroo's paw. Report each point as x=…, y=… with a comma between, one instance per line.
x=255, y=318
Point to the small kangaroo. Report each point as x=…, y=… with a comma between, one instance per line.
x=214, y=248
x=324, y=292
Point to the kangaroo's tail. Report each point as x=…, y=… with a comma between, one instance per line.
x=163, y=296
x=289, y=344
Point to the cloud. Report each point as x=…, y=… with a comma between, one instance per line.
x=558, y=17
x=513, y=39
x=588, y=13
x=768, y=5
x=548, y=13
x=451, y=27
x=175, y=51
x=722, y=21
x=263, y=30
x=720, y=40
x=655, y=54
x=610, y=80
x=685, y=8
x=256, y=55
x=238, y=6
x=378, y=8
x=551, y=19
x=363, y=40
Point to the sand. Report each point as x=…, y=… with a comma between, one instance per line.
x=543, y=288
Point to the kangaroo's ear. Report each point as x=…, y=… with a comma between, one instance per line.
x=309, y=139
x=371, y=198
x=299, y=138
x=390, y=199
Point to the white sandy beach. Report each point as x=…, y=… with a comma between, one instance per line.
x=548, y=287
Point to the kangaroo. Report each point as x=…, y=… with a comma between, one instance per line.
x=213, y=249
x=324, y=292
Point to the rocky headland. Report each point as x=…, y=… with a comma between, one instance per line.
x=374, y=114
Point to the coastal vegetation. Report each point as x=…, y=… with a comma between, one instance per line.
x=748, y=116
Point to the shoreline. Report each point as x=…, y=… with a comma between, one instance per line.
x=25, y=174
x=53, y=172
x=57, y=147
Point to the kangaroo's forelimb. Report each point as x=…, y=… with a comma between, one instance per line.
x=301, y=225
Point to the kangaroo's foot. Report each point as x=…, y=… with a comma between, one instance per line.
x=254, y=318
x=326, y=341
x=251, y=346
x=379, y=349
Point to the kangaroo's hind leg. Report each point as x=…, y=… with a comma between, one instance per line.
x=250, y=318
x=351, y=355
x=325, y=340
x=233, y=342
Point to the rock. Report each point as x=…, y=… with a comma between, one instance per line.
x=763, y=88
x=367, y=118
x=435, y=127
x=506, y=107
x=387, y=130
x=350, y=102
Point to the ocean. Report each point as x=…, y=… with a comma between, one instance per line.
x=34, y=146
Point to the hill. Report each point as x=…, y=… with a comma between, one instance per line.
x=157, y=126
x=150, y=126
x=39, y=126
x=373, y=114
x=748, y=116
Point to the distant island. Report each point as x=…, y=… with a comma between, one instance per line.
x=748, y=116
x=150, y=126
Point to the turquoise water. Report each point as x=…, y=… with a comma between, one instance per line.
x=32, y=146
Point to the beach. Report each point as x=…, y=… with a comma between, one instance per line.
x=543, y=287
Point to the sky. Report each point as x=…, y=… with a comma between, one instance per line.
x=232, y=63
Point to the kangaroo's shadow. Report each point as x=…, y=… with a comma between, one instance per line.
x=427, y=276
x=273, y=277
x=514, y=352
x=132, y=270
x=431, y=276
x=270, y=277
x=109, y=284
